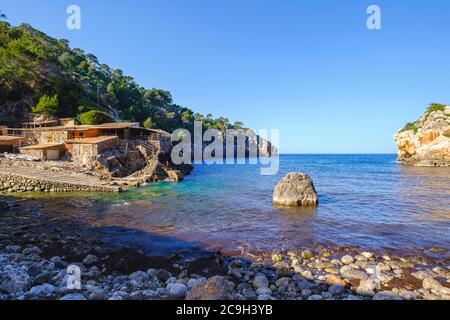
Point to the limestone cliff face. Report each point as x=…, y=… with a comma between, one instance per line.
x=426, y=142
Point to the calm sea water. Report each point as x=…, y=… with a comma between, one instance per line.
x=369, y=201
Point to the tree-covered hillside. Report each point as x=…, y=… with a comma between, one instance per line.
x=43, y=75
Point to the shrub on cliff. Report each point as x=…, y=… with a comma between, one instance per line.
x=432, y=107
x=94, y=117
x=435, y=107
x=149, y=123
x=47, y=105
x=410, y=126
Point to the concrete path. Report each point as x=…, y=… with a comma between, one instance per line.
x=59, y=177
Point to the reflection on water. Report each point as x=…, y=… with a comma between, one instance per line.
x=364, y=200
x=424, y=187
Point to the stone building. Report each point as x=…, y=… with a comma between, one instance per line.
x=48, y=151
x=86, y=150
x=53, y=139
x=11, y=144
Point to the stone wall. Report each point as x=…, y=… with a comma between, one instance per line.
x=13, y=183
x=51, y=136
x=36, y=153
x=87, y=153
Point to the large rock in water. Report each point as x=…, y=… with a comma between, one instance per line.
x=295, y=189
x=426, y=142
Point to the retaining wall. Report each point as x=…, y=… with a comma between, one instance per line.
x=17, y=183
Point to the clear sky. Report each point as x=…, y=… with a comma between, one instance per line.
x=309, y=68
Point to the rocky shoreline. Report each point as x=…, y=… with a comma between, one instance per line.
x=35, y=257
x=26, y=275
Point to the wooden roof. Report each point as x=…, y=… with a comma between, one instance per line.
x=42, y=146
x=118, y=125
x=11, y=138
x=158, y=131
x=104, y=126
x=39, y=123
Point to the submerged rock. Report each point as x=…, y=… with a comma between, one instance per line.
x=295, y=189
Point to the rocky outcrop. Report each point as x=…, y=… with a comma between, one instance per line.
x=295, y=189
x=138, y=161
x=426, y=142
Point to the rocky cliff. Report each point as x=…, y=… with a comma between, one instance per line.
x=426, y=142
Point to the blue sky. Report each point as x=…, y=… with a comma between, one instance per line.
x=309, y=68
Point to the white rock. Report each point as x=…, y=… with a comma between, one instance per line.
x=263, y=291
x=352, y=297
x=367, y=254
x=176, y=290
x=192, y=283
x=307, y=274
x=366, y=288
x=315, y=297
x=386, y=295
x=353, y=274
x=139, y=276
x=435, y=286
x=263, y=297
x=260, y=281
x=347, y=259
x=43, y=290
x=407, y=295
x=14, y=281
x=73, y=296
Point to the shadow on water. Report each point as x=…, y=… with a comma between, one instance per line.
x=121, y=249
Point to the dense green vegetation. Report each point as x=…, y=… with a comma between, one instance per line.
x=46, y=105
x=44, y=75
x=94, y=117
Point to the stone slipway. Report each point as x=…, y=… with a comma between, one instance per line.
x=24, y=179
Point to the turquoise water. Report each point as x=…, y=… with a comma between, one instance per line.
x=369, y=201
